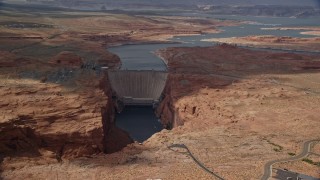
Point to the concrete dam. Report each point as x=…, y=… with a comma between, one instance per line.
x=134, y=87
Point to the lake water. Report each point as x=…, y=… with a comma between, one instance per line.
x=141, y=56
x=141, y=122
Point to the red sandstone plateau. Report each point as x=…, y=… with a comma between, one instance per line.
x=55, y=109
x=233, y=117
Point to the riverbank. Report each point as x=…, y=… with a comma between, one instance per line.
x=315, y=31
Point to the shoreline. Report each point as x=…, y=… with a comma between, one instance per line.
x=272, y=46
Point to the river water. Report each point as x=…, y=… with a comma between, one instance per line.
x=141, y=122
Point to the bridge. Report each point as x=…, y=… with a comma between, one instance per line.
x=135, y=87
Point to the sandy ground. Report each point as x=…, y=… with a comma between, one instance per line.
x=315, y=31
x=269, y=109
x=286, y=43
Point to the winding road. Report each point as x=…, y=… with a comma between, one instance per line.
x=304, y=153
x=195, y=159
x=267, y=168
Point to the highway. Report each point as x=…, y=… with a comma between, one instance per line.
x=303, y=154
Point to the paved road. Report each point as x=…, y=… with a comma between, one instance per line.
x=304, y=153
x=195, y=159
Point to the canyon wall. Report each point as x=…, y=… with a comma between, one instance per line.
x=166, y=110
x=33, y=126
x=66, y=112
x=114, y=138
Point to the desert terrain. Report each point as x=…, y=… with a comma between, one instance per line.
x=257, y=97
x=273, y=42
x=307, y=30
x=235, y=109
x=310, y=44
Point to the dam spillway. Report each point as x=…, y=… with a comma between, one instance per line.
x=138, y=87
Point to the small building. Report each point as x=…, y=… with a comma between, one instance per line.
x=284, y=174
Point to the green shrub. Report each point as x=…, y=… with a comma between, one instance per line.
x=311, y=162
x=291, y=154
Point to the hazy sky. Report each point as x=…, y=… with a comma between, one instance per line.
x=217, y=2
